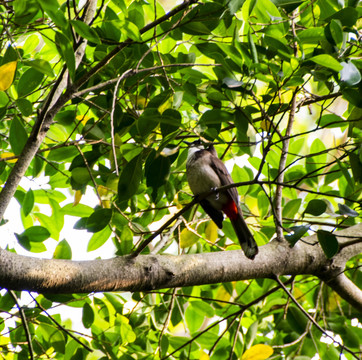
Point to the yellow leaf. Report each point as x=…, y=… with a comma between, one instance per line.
x=102, y=191
x=187, y=238
x=204, y=356
x=211, y=232
x=7, y=72
x=266, y=125
x=77, y=197
x=166, y=105
x=106, y=204
x=258, y=352
x=223, y=295
x=8, y=155
x=83, y=118
x=112, y=182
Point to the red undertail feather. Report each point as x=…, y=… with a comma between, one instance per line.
x=231, y=210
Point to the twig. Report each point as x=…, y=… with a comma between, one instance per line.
x=283, y=159
x=112, y=124
x=164, y=226
x=165, y=325
x=131, y=72
x=60, y=326
x=25, y=324
x=90, y=173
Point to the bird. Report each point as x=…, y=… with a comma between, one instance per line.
x=205, y=172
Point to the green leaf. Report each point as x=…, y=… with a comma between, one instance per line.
x=49, y=223
x=263, y=204
x=278, y=46
x=25, y=106
x=193, y=319
x=88, y=316
x=44, y=196
x=66, y=52
x=18, y=136
x=203, y=308
x=99, y=238
x=99, y=220
x=327, y=61
x=311, y=36
x=25, y=11
x=130, y=179
x=235, y=5
x=31, y=239
x=319, y=158
x=148, y=121
x=81, y=224
x=41, y=66
x=157, y=170
x=332, y=121
x=356, y=166
x=52, y=336
x=347, y=211
x=85, y=31
x=28, y=202
x=29, y=82
x=130, y=30
x=328, y=242
x=6, y=302
x=347, y=16
x=343, y=167
x=63, y=250
x=298, y=232
x=36, y=233
x=79, y=210
x=51, y=7
x=291, y=208
x=350, y=75
x=81, y=175
x=252, y=48
x=316, y=207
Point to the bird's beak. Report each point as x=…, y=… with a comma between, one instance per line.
x=186, y=142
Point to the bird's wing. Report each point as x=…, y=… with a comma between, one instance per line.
x=216, y=215
x=225, y=178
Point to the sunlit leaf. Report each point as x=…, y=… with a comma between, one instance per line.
x=188, y=238
x=258, y=352
x=63, y=250
x=99, y=238
x=327, y=61
x=7, y=72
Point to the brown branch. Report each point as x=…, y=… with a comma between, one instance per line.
x=25, y=324
x=283, y=160
x=150, y=272
x=132, y=72
x=345, y=288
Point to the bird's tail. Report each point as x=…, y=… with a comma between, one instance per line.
x=245, y=237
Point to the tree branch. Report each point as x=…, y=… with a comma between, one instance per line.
x=346, y=289
x=146, y=272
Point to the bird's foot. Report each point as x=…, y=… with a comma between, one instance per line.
x=216, y=193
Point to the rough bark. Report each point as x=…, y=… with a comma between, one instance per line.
x=147, y=272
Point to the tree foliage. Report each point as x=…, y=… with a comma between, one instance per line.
x=100, y=95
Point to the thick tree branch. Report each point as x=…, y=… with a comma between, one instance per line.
x=146, y=272
x=346, y=289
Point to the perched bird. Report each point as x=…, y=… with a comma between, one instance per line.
x=205, y=171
